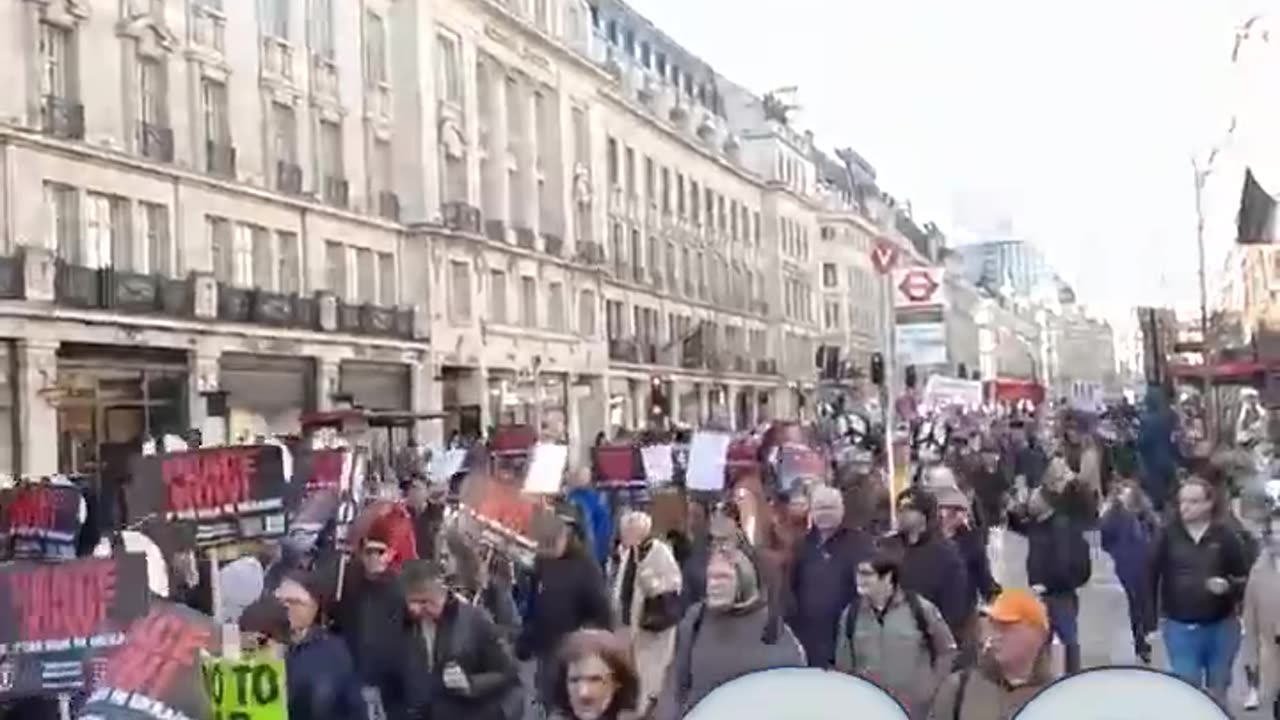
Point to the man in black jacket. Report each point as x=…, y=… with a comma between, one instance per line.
x=568, y=594
x=456, y=663
x=1059, y=563
x=931, y=565
x=1198, y=574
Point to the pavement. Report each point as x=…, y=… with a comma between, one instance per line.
x=1104, y=617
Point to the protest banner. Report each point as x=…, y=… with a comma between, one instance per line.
x=799, y=462
x=231, y=493
x=41, y=520
x=57, y=619
x=249, y=689
x=501, y=516
x=156, y=673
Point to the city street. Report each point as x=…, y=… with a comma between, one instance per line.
x=1104, y=623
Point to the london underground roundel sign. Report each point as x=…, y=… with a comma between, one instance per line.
x=797, y=694
x=918, y=285
x=1121, y=693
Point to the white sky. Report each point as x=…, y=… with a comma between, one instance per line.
x=1076, y=120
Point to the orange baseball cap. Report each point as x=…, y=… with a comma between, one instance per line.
x=1017, y=605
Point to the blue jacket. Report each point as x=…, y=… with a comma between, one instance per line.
x=322, y=680
x=599, y=524
x=823, y=583
x=1126, y=536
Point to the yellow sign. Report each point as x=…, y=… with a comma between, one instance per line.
x=250, y=689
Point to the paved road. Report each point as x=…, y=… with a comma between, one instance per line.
x=1104, y=619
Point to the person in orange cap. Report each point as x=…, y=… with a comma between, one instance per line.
x=1013, y=667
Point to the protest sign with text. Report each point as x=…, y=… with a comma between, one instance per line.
x=41, y=520
x=57, y=618
x=251, y=689
x=231, y=493
x=156, y=673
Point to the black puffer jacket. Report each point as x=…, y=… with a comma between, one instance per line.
x=1180, y=566
x=464, y=635
x=568, y=594
x=370, y=618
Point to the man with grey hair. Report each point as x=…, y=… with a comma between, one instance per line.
x=824, y=575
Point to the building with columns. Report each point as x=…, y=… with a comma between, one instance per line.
x=220, y=214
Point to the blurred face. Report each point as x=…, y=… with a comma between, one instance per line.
x=300, y=605
x=722, y=583
x=1128, y=497
x=556, y=546
x=1194, y=503
x=591, y=687
x=990, y=461
x=798, y=506
x=828, y=510
x=427, y=601
x=1014, y=646
x=872, y=585
x=418, y=495
x=634, y=531
x=375, y=556
x=910, y=518
x=952, y=517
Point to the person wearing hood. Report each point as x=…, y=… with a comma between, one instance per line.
x=1013, y=668
x=730, y=634
x=1157, y=449
x=932, y=566
x=593, y=513
x=369, y=616
x=956, y=522
x=568, y=594
x=824, y=576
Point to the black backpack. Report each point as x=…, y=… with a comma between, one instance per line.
x=917, y=614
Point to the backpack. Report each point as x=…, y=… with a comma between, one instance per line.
x=917, y=614
x=772, y=633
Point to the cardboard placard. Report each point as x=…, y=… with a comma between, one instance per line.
x=248, y=689
x=41, y=520
x=58, y=619
x=232, y=493
x=156, y=673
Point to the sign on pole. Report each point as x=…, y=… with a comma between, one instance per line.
x=884, y=256
x=914, y=287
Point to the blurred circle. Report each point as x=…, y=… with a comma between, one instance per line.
x=1130, y=692
x=798, y=694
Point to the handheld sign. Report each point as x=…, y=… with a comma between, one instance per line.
x=1130, y=692
x=231, y=493
x=42, y=520
x=251, y=689
x=156, y=675
x=55, y=619
x=811, y=694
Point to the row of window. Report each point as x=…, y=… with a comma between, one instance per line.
x=795, y=239
x=675, y=194
x=97, y=229
x=528, y=308
x=645, y=325
x=797, y=300
x=861, y=317
x=652, y=57
x=683, y=270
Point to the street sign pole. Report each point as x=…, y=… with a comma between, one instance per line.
x=886, y=393
x=884, y=256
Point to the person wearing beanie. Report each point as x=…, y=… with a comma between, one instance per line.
x=320, y=675
x=731, y=633
x=930, y=565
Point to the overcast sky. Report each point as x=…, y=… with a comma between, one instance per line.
x=1075, y=120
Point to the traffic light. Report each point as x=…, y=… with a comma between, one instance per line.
x=877, y=369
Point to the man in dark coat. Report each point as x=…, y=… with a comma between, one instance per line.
x=456, y=663
x=824, y=576
x=931, y=565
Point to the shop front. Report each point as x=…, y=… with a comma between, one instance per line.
x=376, y=386
x=266, y=394
x=110, y=399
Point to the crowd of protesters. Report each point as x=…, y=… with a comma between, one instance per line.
x=618, y=619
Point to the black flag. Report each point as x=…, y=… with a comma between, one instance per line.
x=1255, y=225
